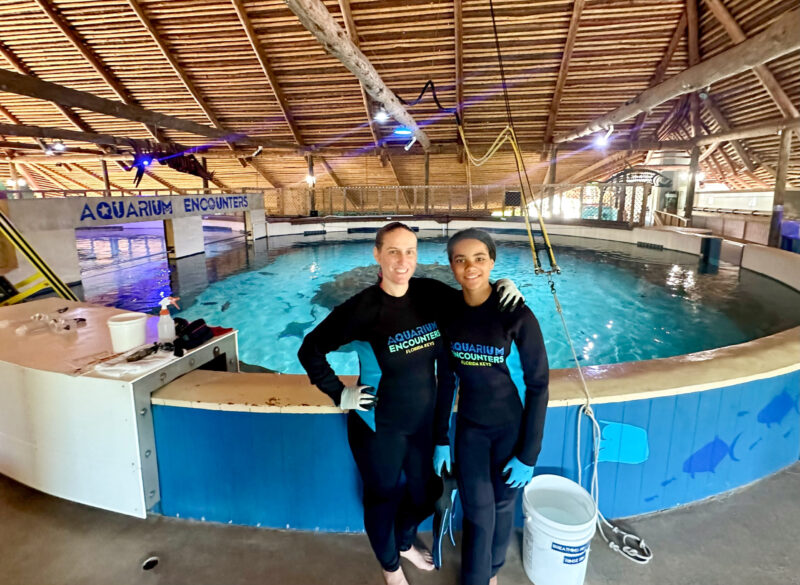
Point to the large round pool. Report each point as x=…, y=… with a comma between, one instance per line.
x=621, y=303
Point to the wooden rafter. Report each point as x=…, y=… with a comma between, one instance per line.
x=765, y=76
x=94, y=61
x=181, y=74
x=719, y=118
x=318, y=21
x=693, y=39
x=458, y=21
x=780, y=38
x=613, y=158
x=661, y=70
x=350, y=27
x=58, y=180
x=266, y=67
x=36, y=88
x=574, y=22
x=96, y=177
x=20, y=67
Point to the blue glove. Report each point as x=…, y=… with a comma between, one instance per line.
x=441, y=457
x=510, y=297
x=519, y=474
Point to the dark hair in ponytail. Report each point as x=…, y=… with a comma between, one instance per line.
x=389, y=227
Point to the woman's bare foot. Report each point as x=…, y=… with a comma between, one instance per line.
x=421, y=558
x=493, y=580
x=395, y=577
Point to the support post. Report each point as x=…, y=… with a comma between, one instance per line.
x=106, y=181
x=689, y=204
x=780, y=190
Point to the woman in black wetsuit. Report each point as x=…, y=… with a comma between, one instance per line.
x=395, y=330
x=501, y=364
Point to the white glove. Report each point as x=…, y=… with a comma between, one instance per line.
x=510, y=297
x=358, y=398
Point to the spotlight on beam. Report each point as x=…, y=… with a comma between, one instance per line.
x=381, y=116
x=602, y=140
x=59, y=146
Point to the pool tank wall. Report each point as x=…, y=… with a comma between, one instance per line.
x=673, y=431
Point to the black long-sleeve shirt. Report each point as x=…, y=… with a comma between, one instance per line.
x=398, y=341
x=501, y=363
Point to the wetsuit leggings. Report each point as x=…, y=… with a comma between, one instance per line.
x=488, y=502
x=392, y=508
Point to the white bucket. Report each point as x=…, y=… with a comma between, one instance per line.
x=560, y=520
x=127, y=331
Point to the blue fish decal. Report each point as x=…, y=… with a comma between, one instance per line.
x=742, y=413
x=777, y=409
x=707, y=457
x=787, y=433
x=757, y=441
x=623, y=443
x=651, y=498
x=665, y=483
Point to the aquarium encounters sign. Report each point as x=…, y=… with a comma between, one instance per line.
x=111, y=210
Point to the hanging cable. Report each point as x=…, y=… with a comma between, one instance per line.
x=630, y=546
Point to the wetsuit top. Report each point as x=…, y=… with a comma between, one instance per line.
x=500, y=360
x=398, y=342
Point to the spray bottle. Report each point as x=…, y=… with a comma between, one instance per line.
x=166, y=326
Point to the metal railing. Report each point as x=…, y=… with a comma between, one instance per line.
x=621, y=203
x=669, y=219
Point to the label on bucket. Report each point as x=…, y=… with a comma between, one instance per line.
x=574, y=560
x=572, y=550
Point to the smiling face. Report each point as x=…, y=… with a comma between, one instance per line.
x=397, y=257
x=472, y=265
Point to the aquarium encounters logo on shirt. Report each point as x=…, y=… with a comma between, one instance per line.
x=414, y=339
x=476, y=354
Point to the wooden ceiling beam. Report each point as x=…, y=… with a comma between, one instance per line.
x=780, y=38
x=752, y=131
x=94, y=61
x=57, y=180
x=572, y=33
x=722, y=122
x=661, y=70
x=20, y=67
x=272, y=79
x=266, y=67
x=369, y=106
x=39, y=89
x=63, y=177
x=458, y=18
x=350, y=27
x=318, y=21
x=765, y=76
x=613, y=158
x=97, y=177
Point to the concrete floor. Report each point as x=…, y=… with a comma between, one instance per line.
x=748, y=537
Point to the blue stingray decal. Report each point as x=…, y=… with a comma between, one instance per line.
x=623, y=443
x=370, y=375
x=707, y=457
x=777, y=409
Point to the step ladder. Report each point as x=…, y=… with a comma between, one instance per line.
x=44, y=275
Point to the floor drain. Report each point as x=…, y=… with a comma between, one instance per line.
x=150, y=563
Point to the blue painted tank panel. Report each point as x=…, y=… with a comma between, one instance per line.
x=296, y=470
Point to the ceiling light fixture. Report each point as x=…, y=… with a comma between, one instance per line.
x=403, y=131
x=602, y=139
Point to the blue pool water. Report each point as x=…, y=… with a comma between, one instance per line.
x=622, y=303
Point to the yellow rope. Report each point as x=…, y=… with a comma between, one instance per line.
x=508, y=135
